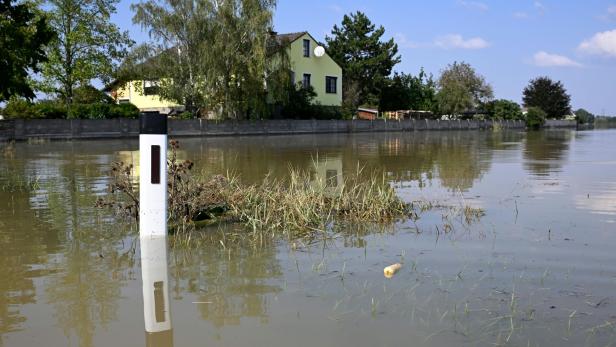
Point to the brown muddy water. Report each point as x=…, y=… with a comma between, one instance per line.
x=539, y=269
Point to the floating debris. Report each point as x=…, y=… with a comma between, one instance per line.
x=391, y=270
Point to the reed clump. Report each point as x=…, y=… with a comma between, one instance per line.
x=302, y=204
x=297, y=206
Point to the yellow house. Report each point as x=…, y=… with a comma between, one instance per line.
x=143, y=94
x=310, y=65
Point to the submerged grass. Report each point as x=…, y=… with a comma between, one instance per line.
x=302, y=205
x=299, y=206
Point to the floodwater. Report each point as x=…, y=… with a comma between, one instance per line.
x=539, y=269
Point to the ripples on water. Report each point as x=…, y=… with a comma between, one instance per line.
x=537, y=270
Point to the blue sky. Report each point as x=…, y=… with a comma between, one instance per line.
x=509, y=42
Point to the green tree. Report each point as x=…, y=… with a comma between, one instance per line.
x=549, y=96
x=504, y=109
x=23, y=36
x=300, y=104
x=215, y=55
x=408, y=92
x=461, y=89
x=535, y=117
x=366, y=61
x=584, y=117
x=88, y=46
x=396, y=94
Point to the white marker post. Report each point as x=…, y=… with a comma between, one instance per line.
x=153, y=175
x=153, y=229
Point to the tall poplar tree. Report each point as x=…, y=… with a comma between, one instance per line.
x=366, y=61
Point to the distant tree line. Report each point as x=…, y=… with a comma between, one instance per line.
x=215, y=56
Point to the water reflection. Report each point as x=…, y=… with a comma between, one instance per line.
x=53, y=251
x=545, y=151
x=25, y=242
x=232, y=284
x=328, y=174
x=456, y=159
x=68, y=276
x=155, y=283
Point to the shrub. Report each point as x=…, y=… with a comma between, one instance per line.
x=185, y=115
x=19, y=108
x=504, y=109
x=300, y=103
x=584, y=117
x=124, y=111
x=326, y=112
x=50, y=109
x=535, y=117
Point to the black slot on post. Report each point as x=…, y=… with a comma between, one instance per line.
x=155, y=162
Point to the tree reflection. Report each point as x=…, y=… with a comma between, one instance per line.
x=25, y=243
x=54, y=233
x=457, y=158
x=235, y=283
x=545, y=151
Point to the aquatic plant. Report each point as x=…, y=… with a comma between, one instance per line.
x=298, y=206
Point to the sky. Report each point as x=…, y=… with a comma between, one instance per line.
x=508, y=42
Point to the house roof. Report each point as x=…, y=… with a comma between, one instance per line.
x=290, y=37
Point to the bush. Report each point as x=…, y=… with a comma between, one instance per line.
x=584, y=117
x=185, y=115
x=300, y=103
x=535, y=118
x=327, y=112
x=50, y=109
x=102, y=111
x=124, y=111
x=88, y=111
x=19, y=108
x=504, y=109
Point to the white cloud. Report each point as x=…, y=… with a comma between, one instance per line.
x=546, y=59
x=457, y=41
x=540, y=7
x=473, y=5
x=520, y=15
x=603, y=43
x=610, y=14
x=404, y=42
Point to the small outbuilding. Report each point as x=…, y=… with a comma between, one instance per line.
x=367, y=113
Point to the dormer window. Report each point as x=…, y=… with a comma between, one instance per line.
x=307, y=48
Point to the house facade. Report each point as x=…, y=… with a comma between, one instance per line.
x=310, y=65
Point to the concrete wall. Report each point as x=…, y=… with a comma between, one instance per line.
x=23, y=129
x=560, y=123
